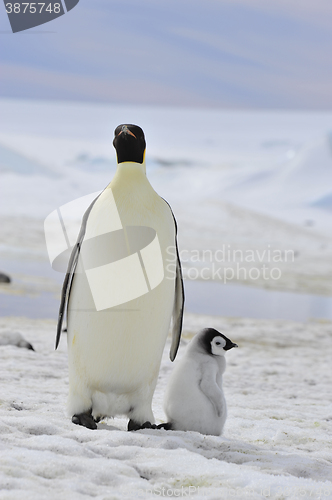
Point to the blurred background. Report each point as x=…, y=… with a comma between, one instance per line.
x=235, y=101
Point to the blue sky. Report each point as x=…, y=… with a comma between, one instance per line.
x=214, y=53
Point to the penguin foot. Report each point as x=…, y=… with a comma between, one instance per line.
x=167, y=426
x=85, y=419
x=135, y=426
x=98, y=419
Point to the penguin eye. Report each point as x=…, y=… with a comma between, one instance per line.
x=218, y=343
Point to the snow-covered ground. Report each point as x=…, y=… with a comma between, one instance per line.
x=277, y=441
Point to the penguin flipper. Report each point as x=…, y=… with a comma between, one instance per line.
x=66, y=289
x=210, y=388
x=177, y=315
x=68, y=281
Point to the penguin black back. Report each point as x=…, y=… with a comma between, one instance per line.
x=129, y=142
x=206, y=337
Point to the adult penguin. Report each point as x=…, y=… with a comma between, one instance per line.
x=123, y=285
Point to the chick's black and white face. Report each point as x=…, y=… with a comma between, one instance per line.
x=217, y=346
x=213, y=342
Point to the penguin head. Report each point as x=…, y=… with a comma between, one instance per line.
x=214, y=342
x=129, y=142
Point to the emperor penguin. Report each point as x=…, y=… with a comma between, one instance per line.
x=120, y=293
x=194, y=399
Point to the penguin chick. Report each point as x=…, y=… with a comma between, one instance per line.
x=4, y=278
x=9, y=337
x=194, y=399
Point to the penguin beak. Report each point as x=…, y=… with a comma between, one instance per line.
x=230, y=346
x=126, y=130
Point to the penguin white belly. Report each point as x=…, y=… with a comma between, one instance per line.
x=115, y=353
x=187, y=407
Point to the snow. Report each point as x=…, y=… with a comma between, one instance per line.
x=301, y=181
x=276, y=442
x=325, y=202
